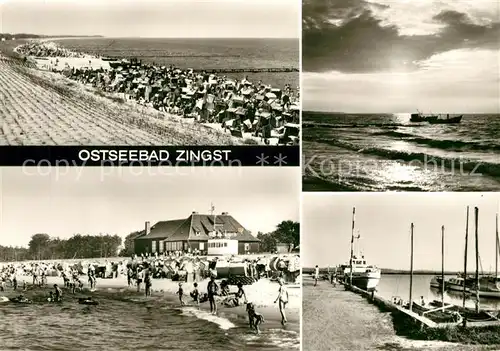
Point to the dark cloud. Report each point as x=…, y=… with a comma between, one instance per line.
x=346, y=36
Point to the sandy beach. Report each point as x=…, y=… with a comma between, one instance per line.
x=43, y=108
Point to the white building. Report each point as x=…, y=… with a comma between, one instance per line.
x=221, y=247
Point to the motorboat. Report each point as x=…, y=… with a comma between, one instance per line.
x=364, y=276
x=457, y=284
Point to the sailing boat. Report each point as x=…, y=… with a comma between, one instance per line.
x=358, y=273
x=489, y=286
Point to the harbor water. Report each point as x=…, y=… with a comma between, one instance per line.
x=392, y=285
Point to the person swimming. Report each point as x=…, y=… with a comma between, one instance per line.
x=20, y=299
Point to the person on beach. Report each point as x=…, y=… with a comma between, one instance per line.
x=240, y=294
x=180, y=292
x=213, y=289
x=14, y=282
x=129, y=276
x=316, y=275
x=283, y=300
x=57, y=293
x=92, y=279
x=139, y=276
x=147, y=283
x=51, y=297
x=195, y=294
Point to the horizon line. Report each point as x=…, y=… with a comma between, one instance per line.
x=75, y=36
x=392, y=113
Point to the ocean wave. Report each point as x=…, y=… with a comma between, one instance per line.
x=474, y=167
x=223, y=323
x=285, y=339
x=444, y=144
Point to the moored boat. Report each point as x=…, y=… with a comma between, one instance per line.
x=489, y=287
x=358, y=273
x=436, y=282
x=363, y=276
x=457, y=284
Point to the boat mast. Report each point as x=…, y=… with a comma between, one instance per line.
x=352, y=246
x=411, y=268
x=465, y=255
x=476, y=220
x=442, y=265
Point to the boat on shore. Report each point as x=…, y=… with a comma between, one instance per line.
x=447, y=120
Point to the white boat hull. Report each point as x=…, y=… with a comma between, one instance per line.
x=365, y=281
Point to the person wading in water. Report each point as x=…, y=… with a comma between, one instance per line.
x=212, y=292
x=283, y=300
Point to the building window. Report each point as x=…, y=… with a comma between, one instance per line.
x=225, y=244
x=247, y=247
x=162, y=246
x=153, y=246
x=202, y=246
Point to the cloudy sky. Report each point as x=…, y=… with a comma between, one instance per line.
x=383, y=221
x=399, y=56
x=65, y=201
x=153, y=18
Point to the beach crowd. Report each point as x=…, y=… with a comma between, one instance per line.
x=222, y=273
x=238, y=106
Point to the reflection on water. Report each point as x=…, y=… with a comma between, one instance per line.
x=374, y=152
x=399, y=285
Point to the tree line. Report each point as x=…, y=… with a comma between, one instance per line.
x=287, y=232
x=45, y=247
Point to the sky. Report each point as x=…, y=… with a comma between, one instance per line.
x=399, y=56
x=383, y=223
x=70, y=200
x=150, y=18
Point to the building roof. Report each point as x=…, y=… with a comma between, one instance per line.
x=162, y=229
x=197, y=227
